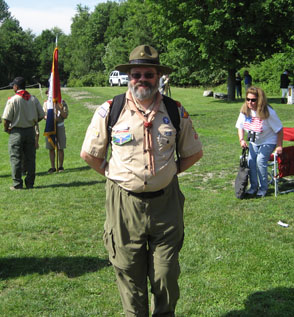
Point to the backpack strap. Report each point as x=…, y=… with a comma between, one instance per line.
x=173, y=112
x=116, y=107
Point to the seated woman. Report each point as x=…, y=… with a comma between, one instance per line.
x=265, y=134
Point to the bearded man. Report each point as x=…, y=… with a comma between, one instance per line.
x=144, y=227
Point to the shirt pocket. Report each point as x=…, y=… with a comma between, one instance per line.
x=122, y=145
x=165, y=140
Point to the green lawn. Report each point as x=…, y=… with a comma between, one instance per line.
x=236, y=260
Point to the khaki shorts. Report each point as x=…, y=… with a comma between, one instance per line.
x=61, y=139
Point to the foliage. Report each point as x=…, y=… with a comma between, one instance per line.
x=205, y=42
x=4, y=13
x=17, y=52
x=235, y=261
x=226, y=34
x=268, y=73
x=92, y=79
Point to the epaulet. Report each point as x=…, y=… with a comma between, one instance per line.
x=9, y=98
x=178, y=104
x=110, y=102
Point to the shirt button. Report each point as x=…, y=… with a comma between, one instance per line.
x=145, y=183
x=146, y=167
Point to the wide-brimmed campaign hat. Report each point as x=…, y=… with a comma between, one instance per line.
x=19, y=81
x=144, y=56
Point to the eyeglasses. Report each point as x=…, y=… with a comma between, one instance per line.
x=147, y=75
x=251, y=99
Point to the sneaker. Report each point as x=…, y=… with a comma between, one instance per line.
x=60, y=169
x=251, y=192
x=52, y=170
x=260, y=194
x=15, y=187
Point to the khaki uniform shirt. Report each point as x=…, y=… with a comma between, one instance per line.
x=128, y=164
x=23, y=113
x=59, y=117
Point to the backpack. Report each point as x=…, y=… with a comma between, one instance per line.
x=171, y=105
x=241, y=180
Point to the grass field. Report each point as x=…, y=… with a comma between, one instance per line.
x=236, y=260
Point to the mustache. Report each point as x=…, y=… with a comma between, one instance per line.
x=145, y=83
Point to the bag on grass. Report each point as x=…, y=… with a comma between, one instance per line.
x=241, y=180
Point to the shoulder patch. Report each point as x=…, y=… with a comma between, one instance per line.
x=102, y=110
x=184, y=113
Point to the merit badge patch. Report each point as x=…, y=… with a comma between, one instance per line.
x=168, y=133
x=165, y=120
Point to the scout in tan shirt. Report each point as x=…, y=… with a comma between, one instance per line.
x=144, y=206
x=21, y=114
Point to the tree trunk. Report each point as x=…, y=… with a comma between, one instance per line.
x=231, y=84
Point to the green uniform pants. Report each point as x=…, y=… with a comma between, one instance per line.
x=143, y=237
x=22, y=146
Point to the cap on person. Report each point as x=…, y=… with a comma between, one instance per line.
x=19, y=81
x=144, y=56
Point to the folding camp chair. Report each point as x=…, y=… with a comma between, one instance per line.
x=283, y=165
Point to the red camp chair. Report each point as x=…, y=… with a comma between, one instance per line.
x=283, y=165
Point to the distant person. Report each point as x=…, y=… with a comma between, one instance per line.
x=265, y=134
x=247, y=80
x=284, y=84
x=61, y=113
x=144, y=227
x=22, y=112
x=164, y=85
x=238, y=84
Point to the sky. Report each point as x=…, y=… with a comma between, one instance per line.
x=39, y=15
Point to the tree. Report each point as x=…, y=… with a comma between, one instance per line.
x=227, y=34
x=4, y=13
x=44, y=47
x=17, y=52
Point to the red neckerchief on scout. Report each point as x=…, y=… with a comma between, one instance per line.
x=24, y=94
x=148, y=146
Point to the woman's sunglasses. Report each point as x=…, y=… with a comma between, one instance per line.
x=251, y=99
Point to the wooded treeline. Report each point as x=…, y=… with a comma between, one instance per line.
x=205, y=42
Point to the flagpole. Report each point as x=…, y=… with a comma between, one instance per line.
x=54, y=99
x=56, y=137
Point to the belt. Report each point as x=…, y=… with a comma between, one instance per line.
x=147, y=195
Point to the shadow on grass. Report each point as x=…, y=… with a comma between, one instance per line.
x=5, y=175
x=72, y=184
x=273, y=101
x=67, y=170
x=278, y=302
x=71, y=266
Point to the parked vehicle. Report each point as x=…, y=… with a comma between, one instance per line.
x=118, y=78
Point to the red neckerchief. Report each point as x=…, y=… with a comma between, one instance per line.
x=23, y=94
